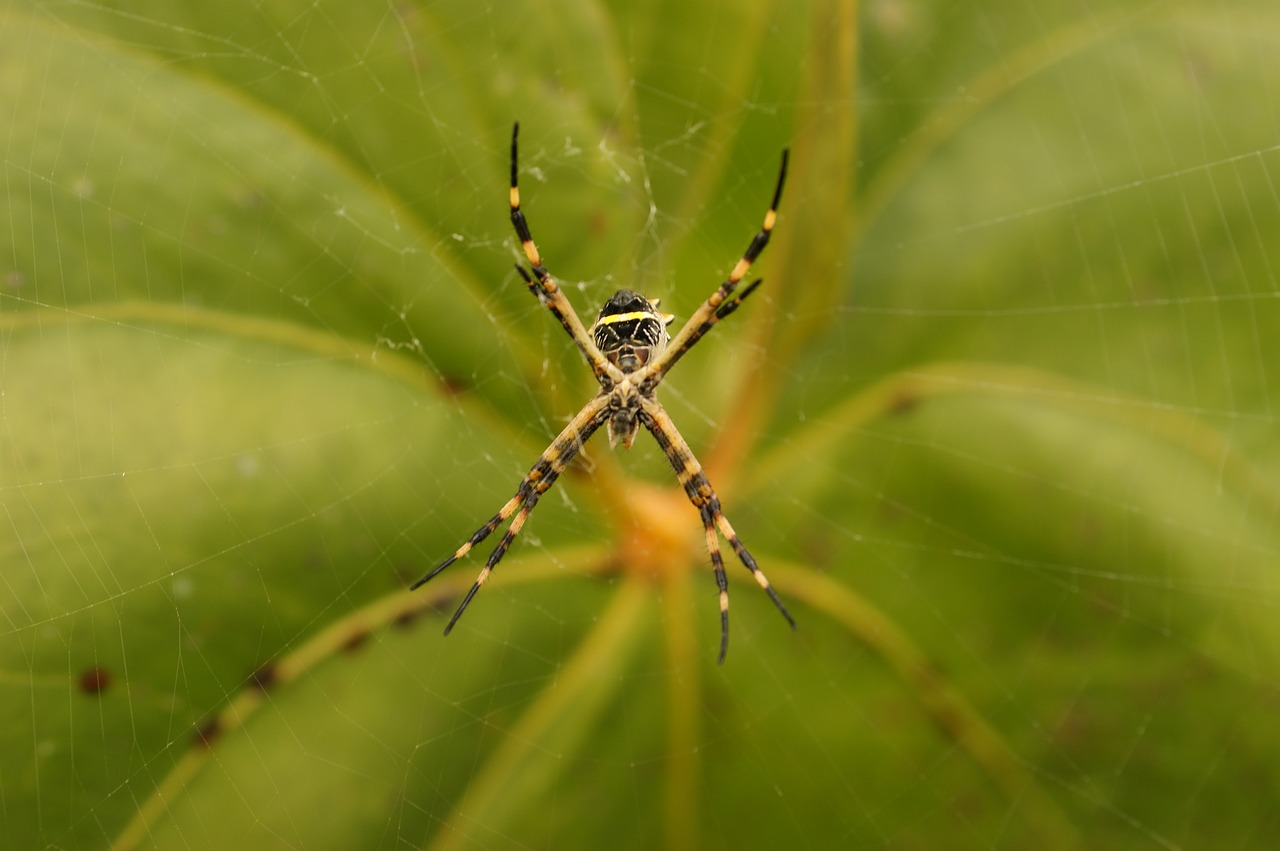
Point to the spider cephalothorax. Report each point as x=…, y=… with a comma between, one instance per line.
x=630, y=353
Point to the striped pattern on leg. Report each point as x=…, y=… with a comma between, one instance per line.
x=698, y=488
x=539, y=480
x=543, y=286
x=722, y=581
x=710, y=311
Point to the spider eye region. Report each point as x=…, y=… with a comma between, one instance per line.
x=630, y=329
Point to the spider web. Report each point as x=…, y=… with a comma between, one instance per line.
x=999, y=425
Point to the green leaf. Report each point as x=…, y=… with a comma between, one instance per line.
x=998, y=426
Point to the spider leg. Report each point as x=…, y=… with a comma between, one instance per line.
x=544, y=287
x=722, y=581
x=716, y=307
x=731, y=305
x=719, y=313
x=538, y=481
x=503, y=545
x=749, y=560
x=480, y=534
x=698, y=488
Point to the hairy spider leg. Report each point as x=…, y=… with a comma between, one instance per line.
x=539, y=480
x=709, y=312
x=703, y=496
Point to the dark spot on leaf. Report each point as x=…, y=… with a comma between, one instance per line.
x=444, y=601
x=406, y=619
x=598, y=223
x=452, y=385
x=903, y=402
x=355, y=641
x=94, y=680
x=207, y=733
x=265, y=677
x=613, y=565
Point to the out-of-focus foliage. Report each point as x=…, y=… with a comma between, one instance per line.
x=998, y=425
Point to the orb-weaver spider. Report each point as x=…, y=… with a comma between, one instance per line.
x=629, y=351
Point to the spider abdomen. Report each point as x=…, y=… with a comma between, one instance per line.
x=630, y=330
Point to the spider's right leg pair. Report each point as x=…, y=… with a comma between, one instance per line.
x=719, y=304
x=703, y=496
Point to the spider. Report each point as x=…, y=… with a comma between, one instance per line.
x=630, y=352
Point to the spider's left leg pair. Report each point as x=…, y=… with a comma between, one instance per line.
x=538, y=481
x=703, y=496
x=544, y=287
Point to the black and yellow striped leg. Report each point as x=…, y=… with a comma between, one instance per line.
x=731, y=305
x=698, y=488
x=543, y=286
x=721, y=312
x=722, y=580
x=539, y=480
x=480, y=534
x=718, y=306
x=749, y=560
x=532, y=492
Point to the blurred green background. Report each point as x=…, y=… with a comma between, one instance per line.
x=998, y=426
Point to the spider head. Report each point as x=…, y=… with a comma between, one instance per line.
x=630, y=329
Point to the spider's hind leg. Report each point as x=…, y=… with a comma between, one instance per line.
x=750, y=562
x=500, y=550
x=538, y=481
x=480, y=534
x=722, y=581
x=698, y=488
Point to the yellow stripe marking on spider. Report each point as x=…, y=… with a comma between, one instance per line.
x=624, y=317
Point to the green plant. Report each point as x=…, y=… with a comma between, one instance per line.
x=998, y=426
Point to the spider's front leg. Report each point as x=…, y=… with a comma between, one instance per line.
x=703, y=496
x=543, y=286
x=720, y=304
x=539, y=480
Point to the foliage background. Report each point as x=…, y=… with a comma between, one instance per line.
x=999, y=425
